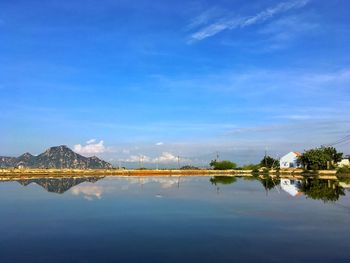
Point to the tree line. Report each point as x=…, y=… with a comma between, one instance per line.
x=322, y=158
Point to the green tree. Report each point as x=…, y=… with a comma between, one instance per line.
x=320, y=158
x=222, y=165
x=269, y=162
x=334, y=156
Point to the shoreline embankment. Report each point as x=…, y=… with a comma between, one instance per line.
x=6, y=174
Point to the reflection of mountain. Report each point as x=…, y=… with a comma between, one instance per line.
x=59, y=185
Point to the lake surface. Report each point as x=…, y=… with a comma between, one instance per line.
x=171, y=219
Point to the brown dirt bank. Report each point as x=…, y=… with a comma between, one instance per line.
x=6, y=174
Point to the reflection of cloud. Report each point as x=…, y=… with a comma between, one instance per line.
x=89, y=192
x=165, y=182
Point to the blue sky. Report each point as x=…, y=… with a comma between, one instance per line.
x=167, y=78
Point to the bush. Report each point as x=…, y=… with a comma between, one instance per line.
x=253, y=167
x=189, y=167
x=343, y=170
x=222, y=165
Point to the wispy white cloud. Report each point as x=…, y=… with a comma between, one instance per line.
x=164, y=158
x=167, y=157
x=204, y=18
x=91, y=141
x=159, y=143
x=137, y=159
x=229, y=23
x=284, y=32
x=91, y=147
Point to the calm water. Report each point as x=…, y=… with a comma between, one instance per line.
x=197, y=219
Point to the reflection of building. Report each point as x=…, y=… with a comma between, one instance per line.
x=345, y=185
x=290, y=160
x=291, y=186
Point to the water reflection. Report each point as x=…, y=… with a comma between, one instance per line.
x=180, y=219
x=58, y=185
x=268, y=182
x=325, y=190
x=291, y=186
x=314, y=188
x=223, y=180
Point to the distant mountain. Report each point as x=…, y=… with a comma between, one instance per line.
x=55, y=157
x=8, y=161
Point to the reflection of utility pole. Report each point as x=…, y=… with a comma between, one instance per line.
x=141, y=182
x=178, y=182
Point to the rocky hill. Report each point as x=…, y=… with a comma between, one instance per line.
x=58, y=157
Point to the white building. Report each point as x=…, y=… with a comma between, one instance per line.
x=290, y=160
x=344, y=162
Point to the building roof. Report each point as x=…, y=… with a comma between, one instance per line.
x=297, y=153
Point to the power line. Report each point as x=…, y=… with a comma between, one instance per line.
x=344, y=139
x=344, y=143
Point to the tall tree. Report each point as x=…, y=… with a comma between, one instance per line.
x=269, y=162
x=320, y=158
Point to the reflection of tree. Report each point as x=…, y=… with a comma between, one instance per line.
x=250, y=178
x=344, y=179
x=223, y=180
x=325, y=190
x=269, y=183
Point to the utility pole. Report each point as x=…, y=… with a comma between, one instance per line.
x=217, y=156
x=141, y=161
x=157, y=163
x=178, y=162
x=265, y=156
